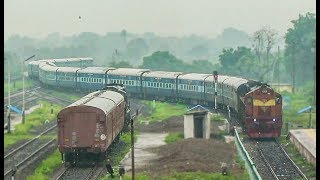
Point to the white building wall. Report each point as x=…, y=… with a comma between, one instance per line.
x=206, y=126
x=188, y=126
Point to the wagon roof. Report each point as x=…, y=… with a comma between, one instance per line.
x=128, y=71
x=161, y=74
x=103, y=100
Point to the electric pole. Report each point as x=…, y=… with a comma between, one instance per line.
x=23, y=106
x=9, y=123
x=278, y=68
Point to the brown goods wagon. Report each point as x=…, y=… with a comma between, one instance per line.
x=91, y=123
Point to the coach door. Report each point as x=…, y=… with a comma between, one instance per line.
x=83, y=129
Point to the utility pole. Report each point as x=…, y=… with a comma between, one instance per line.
x=215, y=76
x=278, y=68
x=9, y=123
x=23, y=106
x=132, y=149
x=132, y=143
x=293, y=68
x=314, y=71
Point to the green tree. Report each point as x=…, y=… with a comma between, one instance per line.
x=202, y=66
x=299, y=55
x=164, y=61
x=236, y=62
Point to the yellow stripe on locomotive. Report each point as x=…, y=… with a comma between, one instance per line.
x=264, y=102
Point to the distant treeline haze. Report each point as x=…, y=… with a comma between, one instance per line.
x=234, y=52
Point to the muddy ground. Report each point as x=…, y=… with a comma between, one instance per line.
x=188, y=155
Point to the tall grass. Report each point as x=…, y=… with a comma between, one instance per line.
x=46, y=167
x=297, y=102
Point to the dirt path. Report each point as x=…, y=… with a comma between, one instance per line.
x=142, y=156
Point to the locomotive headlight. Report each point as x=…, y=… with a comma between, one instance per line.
x=274, y=120
x=254, y=120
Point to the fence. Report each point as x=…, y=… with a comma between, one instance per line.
x=250, y=166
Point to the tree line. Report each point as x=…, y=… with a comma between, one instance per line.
x=263, y=60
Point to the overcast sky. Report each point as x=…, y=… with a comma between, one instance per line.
x=37, y=18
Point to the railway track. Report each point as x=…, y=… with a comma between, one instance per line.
x=35, y=148
x=18, y=100
x=271, y=161
x=81, y=173
x=33, y=96
x=25, y=152
x=19, y=93
x=52, y=98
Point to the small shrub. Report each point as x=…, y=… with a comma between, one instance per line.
x=173, y=137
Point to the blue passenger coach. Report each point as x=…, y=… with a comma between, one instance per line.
x=66, y=77
x=191, y=86
x=160, y=84
x=47, y=73
x=92, y=78
x=130, y=78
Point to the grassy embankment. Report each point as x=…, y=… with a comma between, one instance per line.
x=163, y=111
x=17, y=87
x=36, y=118
x=297, y=102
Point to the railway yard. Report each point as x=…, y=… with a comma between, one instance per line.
x=153, y=157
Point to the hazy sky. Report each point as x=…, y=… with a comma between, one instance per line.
x=37, y=18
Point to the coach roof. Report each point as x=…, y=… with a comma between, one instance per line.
x=128, y=71
x=162, y=74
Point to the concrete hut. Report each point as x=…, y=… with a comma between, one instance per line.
x=197, y=123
